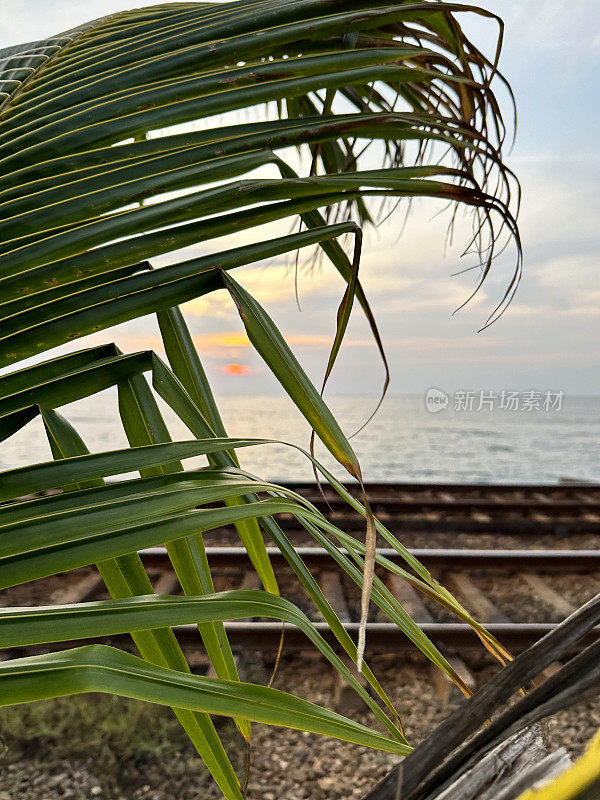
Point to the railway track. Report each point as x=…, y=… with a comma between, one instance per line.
x=460, y=568
x=521, y=510
x=560, y=561
x=533, y=568
x=472, y=574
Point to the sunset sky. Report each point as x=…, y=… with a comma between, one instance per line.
x=549, y=337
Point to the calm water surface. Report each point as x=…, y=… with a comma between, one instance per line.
x=404, y=442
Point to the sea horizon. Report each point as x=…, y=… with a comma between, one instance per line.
x=404, y=442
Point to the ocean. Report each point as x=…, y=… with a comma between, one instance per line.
x=404, y=442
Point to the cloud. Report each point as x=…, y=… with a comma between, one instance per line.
x=216, y=305
x=230, y=339
x=213, y=343
x=271, y=283
x=38, y=19
x=554, y=318
x=551, y=26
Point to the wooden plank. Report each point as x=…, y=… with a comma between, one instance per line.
x=479, y=604
x=533, y=775
x=82, y=590
x=538, y=517
x=333, y=590
x=167, y=583
x=463, y=672
x=250, y=581
x=445, y=497
x=584, y=498
x=345, y=699
x=422, y=771
x=247, y=657
x=509, y=769
x=408, y=598
x=411, y=602
x=550, y=670
x=542, y=498
x=546, y=593
x=445, y=689
x=250, y=663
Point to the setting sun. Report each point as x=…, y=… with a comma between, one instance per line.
x=235, y=369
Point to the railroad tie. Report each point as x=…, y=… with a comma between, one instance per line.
x=167, y=583
x=345, y=698
x=542, y=498
x=250, y=582
x=409, y=598
x=480, y=604
x=546, y=593
x=81, y=591
x=250, y=663
x=333, y=590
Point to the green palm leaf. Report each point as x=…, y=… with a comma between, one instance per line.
x=98, y=668
x=94, y=185
x=22, y=626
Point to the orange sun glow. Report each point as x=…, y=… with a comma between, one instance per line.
x=235, y=369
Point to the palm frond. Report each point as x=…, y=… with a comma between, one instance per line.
x=120, y=141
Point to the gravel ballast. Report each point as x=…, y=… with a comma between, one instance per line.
x=150, y=759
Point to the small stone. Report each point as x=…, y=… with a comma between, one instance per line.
x=327, y=783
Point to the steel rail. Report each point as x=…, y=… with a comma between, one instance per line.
x=552, y=561
x=588, y=487
x=406, y=498
x=382, y=637
x=410, y=505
